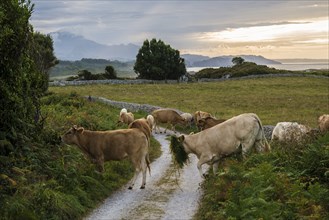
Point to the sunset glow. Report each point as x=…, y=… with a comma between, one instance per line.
x=274, y=32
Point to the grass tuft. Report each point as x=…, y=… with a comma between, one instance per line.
x=179, y=155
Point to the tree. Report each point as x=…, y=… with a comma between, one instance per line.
x=18, y=76
x=85, y=75
x=22, y=69
x=110, y=73
x=237, y=60
x=42, y=52
x=158, y=61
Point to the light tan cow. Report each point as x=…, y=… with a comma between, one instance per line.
x=241, y=132
x=208, y=122
x=167, y=116
x=125, y=117
x=150, y=121
x=102, y=146
x=199, y=115
x=323, y=122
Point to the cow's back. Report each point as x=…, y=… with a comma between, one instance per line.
x=121, y=143
x=227, y=134
x=165, y=115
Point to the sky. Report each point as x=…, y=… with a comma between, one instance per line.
x=273, y=29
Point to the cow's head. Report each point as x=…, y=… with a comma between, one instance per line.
x=70, y=137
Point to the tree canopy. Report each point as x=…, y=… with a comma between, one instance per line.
x=157, y=61
x=237, y=60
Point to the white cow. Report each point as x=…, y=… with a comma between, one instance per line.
x=188, y=118
x=210, y=145
x=289, y=131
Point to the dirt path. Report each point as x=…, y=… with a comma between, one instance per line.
x=167, y=195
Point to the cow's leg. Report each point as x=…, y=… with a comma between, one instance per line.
x=156, y=127
x=132, y=183
x=144, y=169
x=203, y=159
x=167, y=125
x=100, y=164
x=215, y=166
x=246, y=146
x=173, y=128
x=259, y=146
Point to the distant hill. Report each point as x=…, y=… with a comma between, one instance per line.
x=190, y=59
x=303, y=61
x=223, y=61
x=72, y=47
x=69, y=68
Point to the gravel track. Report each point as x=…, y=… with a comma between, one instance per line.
x=168, y=194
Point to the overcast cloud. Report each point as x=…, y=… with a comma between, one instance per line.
x=274, y=29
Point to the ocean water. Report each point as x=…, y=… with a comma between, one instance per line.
x=284, y=66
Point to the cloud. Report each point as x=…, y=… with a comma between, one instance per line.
x=272, y=32
x=212, y=26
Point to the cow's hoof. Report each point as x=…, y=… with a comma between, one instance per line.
x=130, y=187
x=142, y=187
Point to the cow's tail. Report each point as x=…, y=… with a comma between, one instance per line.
x=147, y=159
x=261, y=134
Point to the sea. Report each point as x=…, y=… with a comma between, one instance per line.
x=283, y=66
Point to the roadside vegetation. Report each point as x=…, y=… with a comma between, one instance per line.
x=50, y=180
x=291, y=182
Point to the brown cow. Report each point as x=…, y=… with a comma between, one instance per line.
x=167, y=116
x=102, y=146
x=143, y=125
x=323, y=122
x=208, y=122
x=199, y=115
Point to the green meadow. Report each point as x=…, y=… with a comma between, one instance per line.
x=300, y=99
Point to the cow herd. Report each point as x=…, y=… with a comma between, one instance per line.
x=216, y=139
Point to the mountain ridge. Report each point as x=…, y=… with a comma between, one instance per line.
x=71, y=47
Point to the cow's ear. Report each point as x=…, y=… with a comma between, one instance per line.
x=80, y=130
x=181, y=138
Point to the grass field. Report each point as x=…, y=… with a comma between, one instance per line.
x=300, y=99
